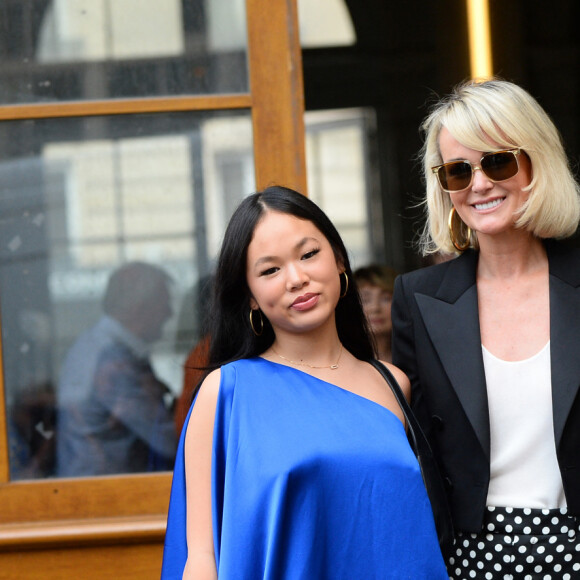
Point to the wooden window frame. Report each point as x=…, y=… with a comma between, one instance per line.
x=60, y=514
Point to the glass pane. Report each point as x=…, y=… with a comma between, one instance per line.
x=53, y=50
x=338, y=144
x=108, y=229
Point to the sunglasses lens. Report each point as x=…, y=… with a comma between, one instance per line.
x=455, y=176
x=500, y=166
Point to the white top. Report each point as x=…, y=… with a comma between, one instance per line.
x=524, y=468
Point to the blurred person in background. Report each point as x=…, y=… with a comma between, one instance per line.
x=114, y=414
x=375, y=284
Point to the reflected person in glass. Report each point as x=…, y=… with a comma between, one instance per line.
x=114, y=414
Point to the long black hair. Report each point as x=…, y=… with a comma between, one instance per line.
x=231, y=334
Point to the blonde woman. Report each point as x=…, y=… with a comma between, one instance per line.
x=490, y=340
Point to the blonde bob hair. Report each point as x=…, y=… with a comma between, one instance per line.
x=500, y=112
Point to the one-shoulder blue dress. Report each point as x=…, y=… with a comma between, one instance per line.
x=309, y=482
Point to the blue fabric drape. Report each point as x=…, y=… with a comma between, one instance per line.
x=309, y=481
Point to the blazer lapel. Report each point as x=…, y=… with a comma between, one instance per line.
x=564, y=335
x=451, y=318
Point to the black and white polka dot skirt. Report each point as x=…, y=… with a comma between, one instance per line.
x=519, y=544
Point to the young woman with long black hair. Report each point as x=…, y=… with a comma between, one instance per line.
x=295, y=462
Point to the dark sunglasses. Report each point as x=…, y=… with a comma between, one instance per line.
x=496, y=165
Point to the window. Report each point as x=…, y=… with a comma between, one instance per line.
x=78, y=49
x=100, y=195
x=128, y=131
x=338, y=145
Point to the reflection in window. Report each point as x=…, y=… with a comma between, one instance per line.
x=106, y=226
x=226, y=24
x=110, y=29
x=54, y=50
x=338, y=145
x=122, y=190
x=114, y=415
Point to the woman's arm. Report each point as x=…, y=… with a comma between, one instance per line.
x=200, y=563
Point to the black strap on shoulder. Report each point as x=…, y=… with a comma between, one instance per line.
x=410, y=419
x=429, y=469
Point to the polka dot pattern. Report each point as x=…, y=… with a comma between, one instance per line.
x=519, y=544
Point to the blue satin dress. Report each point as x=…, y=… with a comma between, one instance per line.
x=309, y=482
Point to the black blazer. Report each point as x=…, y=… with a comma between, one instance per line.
x=437, y=343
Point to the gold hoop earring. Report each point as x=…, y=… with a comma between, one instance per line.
x=345, y=285
x=459, y=247
x=252, y=322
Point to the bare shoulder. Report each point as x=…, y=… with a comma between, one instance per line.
x=402, y=379
x=210, y=386
x=203, y=413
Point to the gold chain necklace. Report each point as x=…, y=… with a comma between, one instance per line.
x=303, y=364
